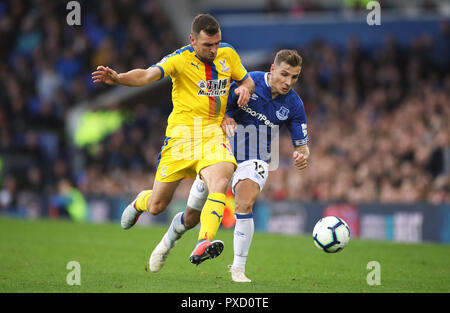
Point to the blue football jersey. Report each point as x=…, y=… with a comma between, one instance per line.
x=259, y=122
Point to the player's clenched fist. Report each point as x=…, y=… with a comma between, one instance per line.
x=105, y=75
x=300, y=161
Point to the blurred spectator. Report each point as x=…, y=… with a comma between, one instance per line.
x=439, y=160
x=356, y=5
x=70, y=202
x=361, y=5
x=8, y=194
x=301, y=7
x=429, y=6
x=273, y=6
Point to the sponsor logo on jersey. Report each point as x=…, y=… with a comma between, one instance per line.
x=259, y=116
x=212, y=88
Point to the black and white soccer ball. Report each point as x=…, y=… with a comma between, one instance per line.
x=331, y=234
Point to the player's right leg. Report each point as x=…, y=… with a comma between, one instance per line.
x=134, y=210
x=153, y=201
x=248, y=182
x=168, y=175
x=246, y=193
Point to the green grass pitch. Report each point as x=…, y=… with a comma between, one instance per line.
x=34, y=256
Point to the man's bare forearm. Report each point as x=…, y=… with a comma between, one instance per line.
x=249, y=84
x=138, y=77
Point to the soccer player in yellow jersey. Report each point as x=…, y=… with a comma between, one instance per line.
x=201, y=74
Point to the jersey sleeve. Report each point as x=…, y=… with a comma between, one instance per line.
x=170, y=65
x=297, y=125
x=239, y=73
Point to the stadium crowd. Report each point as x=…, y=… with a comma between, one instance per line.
x=378, y=121
x=45, y=71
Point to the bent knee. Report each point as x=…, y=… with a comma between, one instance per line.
x=219, y=185
x=244, y=207
x=157, y=207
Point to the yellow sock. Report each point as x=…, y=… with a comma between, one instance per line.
x=211, y=216
x=142, y=200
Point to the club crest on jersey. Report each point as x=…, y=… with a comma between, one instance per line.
x=212, y=88
x=224, y=67
x=163, y=171
x=282, y=113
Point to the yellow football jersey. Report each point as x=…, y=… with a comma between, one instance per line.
x=200, y=89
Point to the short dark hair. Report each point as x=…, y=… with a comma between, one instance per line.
x=290, y=57
x=205, y=22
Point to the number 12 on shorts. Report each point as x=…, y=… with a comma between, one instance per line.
x=259, y=169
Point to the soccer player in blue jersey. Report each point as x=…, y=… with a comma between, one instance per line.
x=274, y=103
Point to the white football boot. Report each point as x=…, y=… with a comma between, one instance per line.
x=159, y=256
x=238, y=275
x=130, y=215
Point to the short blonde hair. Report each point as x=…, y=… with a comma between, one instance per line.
x=290, y=57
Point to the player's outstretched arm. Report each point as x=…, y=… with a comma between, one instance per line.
x=244, y=91
x=300, y=156
x=133, y=78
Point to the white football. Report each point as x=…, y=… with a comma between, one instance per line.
x=331, y=234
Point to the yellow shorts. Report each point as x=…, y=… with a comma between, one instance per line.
x=184, y=158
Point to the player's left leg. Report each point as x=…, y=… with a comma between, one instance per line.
x=181, y=223
x=177, y=228
x=217, y=177
x=246, y=193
